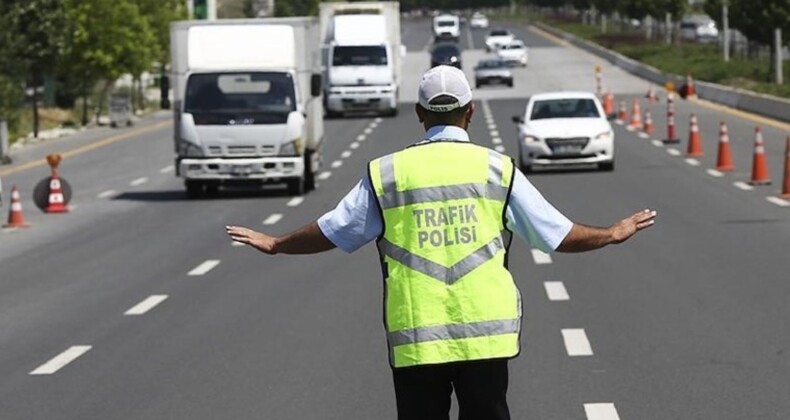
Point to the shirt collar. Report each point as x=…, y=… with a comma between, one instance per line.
x=446, y=132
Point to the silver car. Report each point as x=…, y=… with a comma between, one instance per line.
x=493, y=72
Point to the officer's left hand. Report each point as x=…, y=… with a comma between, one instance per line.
x=258, y=240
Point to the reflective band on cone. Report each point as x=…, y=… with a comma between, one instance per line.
x=56, y=203
x=15, y=217
x=759, y=164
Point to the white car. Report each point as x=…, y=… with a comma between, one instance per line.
x=513, y=53
x=478, y=20
x=564, y=128
x=497, y=38
x=447, y=27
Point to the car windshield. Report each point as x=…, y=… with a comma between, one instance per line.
x=374, y=55
x=564, y=108
x=256, y=97
x=499, y=33
x=513, y=47
x=491, y=64
x=446, y=51
x=445, y=23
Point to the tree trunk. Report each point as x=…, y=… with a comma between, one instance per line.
x=84, y=102
x=103, y=95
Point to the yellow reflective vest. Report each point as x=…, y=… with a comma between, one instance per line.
x=448, y=294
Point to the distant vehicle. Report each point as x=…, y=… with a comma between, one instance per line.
x=446, y=53
x=514, y=53
x=699, y=28
x=498, y=37
x=478, y=20
x=447, y=27
x=488, y=72
x=564, y=128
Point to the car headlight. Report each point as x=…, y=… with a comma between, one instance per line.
x=606, y=135
x=187, y=149
x=530, y=139
x=292, y=148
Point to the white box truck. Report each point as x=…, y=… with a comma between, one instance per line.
x=363, y=56
x=247, y=103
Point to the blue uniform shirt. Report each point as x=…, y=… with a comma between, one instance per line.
x=356, y=219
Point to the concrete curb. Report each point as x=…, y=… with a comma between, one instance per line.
x=761, y=104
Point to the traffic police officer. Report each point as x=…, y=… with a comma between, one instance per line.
x=443, y=212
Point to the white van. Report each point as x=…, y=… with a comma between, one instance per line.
x=447, y=27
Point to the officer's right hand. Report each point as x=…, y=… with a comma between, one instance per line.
x=258, y=240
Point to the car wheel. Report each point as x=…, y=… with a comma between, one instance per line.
x=510, y=83
x=606, y=166
x=309, y=176
x=477, y=85
x=212, y=189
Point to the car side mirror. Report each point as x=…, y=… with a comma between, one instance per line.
x=316, y=85
x=517, y=119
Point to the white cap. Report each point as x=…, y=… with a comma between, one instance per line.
x=444, y=81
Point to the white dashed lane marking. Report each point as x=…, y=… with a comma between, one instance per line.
x=778, y=201
x=541, y=257
x=657, y=143
x=576, y=342
x=692, y=162
x=274, y=218
x=234, y=243
x=203, y=268
x=555, y=291
x=346, y=154
x=492, y=126
x=107, y=194
x=146, y=305
x=368, y=131
x=378, y=120
x=742, y=185
x=601, y=411
x=499, y=148
x=139, y=181
x=324, y=175
x=295, y=201
x=496, y=140
x=673, y=152
x=494, y=133
x=337, y=164
x=361, y=137
x=714, y=173
x=644, y=135
x=58, y=362
x=166, y=169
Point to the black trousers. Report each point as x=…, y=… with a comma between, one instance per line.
x=423, y=392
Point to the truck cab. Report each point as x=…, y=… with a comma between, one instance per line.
x=447, y=27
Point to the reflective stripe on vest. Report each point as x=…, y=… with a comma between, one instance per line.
x=448, y=294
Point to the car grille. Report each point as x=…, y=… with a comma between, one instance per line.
x=245, y=150
x=580, y=142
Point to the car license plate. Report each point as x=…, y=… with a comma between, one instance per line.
x=567, y=149
x=241, y=170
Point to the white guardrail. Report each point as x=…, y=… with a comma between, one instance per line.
x=766, y=105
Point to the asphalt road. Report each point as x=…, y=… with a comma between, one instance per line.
x=688, y=320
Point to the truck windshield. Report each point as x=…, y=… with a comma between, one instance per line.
x=373, y=55
x=444, y=23
x=240, y=98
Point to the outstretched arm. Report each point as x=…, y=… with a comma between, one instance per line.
x=587, y=238
x=307, y=240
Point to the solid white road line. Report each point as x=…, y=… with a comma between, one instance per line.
x=146, y=305
x=354, y=145
x=361, y=137
x=673, y=152
x=601, y=411
x=107, y=194
x=496, y=140
x=555, y=290
x=167, y=169
x=324, y=175
x=337, y=164
x=346, y=154
x=643, y=135
x=714, y=173
x=272, y=219
x=61, y=360
x=781, y=202
x=203, y=268
x=742, y=185
x=295, y=201
x=657, y=143
x=138, y=181
x=576, y=342
x=541, y=257
x=499, y=148
x=692, y=162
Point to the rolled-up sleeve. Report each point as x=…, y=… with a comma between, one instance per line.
x=534, y=219
x=355, y=221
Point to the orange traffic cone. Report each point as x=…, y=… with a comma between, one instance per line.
x=786, y=183
x=636, y=115
x=724, y=160
x=608, y=104
x=648, y=128
x=651, y=94
x=759, y=165
x=622, y=115
x=56, y=201
x=695, y=142
x=691, y=90
x=15, y=217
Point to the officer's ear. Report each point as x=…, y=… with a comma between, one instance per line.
x=469, y=113
x=419, y=110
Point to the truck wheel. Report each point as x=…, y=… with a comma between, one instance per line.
x=296, y=187
x=212, y=189
x=309, y=176
x=330, y=115
x=194, y=189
